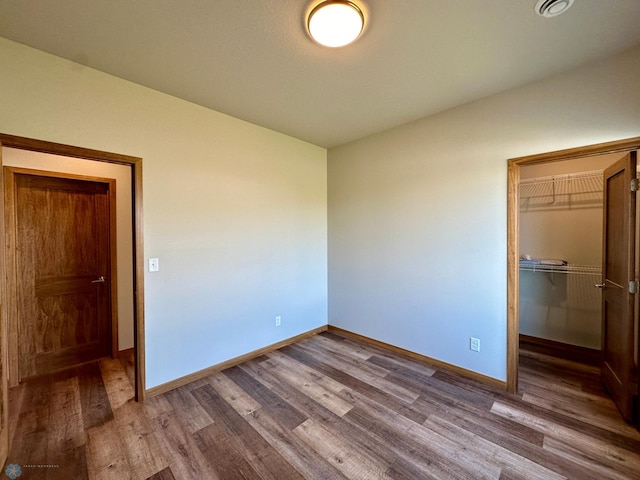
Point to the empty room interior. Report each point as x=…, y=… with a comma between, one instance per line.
x=236, y=249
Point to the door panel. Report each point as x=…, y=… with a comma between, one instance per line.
x=618, y=270
x=62, y=240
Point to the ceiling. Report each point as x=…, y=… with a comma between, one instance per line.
x=252, y=59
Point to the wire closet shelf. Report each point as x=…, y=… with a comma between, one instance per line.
x=583, y=186
x=565, y=269
x=583, y=182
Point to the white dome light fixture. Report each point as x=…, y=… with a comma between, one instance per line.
x=335, y=23
x=552, y=8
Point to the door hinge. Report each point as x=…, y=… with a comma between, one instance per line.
x=633, y=286
x=635, y=185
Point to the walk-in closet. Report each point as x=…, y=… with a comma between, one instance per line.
x=561, y=222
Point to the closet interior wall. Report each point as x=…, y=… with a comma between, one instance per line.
x=561, y=218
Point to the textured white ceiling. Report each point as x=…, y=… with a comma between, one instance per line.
x=252, y=59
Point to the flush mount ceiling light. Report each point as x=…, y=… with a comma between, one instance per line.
x=552, y=8
x=335, y=23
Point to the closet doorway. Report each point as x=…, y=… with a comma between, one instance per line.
x=556, y=224
x=561, y=207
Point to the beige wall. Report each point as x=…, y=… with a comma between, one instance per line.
x=417, y=214
x=236, y=213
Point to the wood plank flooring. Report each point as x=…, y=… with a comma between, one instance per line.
x=326, y=408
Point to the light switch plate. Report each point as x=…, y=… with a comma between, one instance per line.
x=154, y=265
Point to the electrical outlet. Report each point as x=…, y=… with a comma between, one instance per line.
x=278, y=320
x=474, y=344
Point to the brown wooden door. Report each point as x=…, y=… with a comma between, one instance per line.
x=618, y=270
x=63, y=272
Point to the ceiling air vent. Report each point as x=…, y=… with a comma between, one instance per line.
x=552, y=8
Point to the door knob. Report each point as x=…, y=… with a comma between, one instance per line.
x=99, y=280
x=599, y=285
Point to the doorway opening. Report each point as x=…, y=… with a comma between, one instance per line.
x=561, y=209
x=515, y=169
x=131, y=168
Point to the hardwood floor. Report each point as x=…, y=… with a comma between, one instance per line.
x=326, y=408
